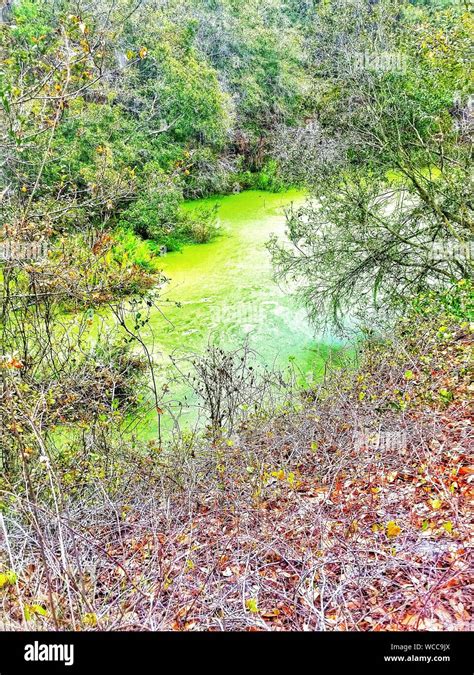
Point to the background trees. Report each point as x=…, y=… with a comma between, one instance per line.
x=391, y=162
x=98, y=98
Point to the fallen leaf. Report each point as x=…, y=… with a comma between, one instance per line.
x=393, y=530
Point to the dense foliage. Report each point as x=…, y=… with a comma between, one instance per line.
x=115, y=114
x=389, y=161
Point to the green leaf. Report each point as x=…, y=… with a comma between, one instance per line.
x=251, y=605
x=8, y=578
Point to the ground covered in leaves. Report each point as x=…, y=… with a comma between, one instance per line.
x=347, y=511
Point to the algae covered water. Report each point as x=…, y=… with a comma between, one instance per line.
x=224, y=293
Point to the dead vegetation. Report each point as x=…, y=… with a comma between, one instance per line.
x=347, y=513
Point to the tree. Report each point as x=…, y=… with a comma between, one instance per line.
x=392, y=211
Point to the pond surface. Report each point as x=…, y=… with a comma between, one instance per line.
x=227, y=294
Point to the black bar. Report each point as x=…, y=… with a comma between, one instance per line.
x=272, y=652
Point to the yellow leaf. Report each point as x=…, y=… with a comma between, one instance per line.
x=90, y=619
x=436, y=503
x=393, y=530
x=31, y=610
x=280, y=474
x=251, y=605
x=8, y=578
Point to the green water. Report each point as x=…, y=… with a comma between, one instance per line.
x=227, y=295
x=222, y=293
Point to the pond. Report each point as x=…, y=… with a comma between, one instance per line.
x=227, y=294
